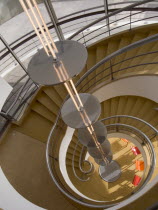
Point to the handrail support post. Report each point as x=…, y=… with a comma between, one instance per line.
x=130, y=20
x=111, y=71
x=13, y=54
x=106, y=13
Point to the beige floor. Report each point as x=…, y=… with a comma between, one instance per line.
x=22, y=159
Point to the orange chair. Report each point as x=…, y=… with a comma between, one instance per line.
x=125, y=140
x=140, y=165
x=136, y=180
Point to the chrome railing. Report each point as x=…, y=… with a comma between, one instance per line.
x=80, y=164
x=17, y=44
x=119, y=127
x=49, y=143
x=23, y=89
x=125, y=49
x=18, y=98
x=82, y=82
x=107, y=16
x=116, y=127
x=29, y=44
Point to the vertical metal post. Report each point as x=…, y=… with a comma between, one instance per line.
x=130, y=19
x=13, y=54
x=111, y=71
x=84, y=39
x=106, y=13
x=54, y=19
x=118, y=121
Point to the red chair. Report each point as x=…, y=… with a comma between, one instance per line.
x=135, y=150
x=140, y=165
x=136, y=180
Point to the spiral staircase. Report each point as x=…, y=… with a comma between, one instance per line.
x=22, y=151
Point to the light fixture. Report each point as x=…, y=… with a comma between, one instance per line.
x=58, y=63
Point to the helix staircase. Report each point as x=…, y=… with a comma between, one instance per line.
x=121, y=105
x=40, y=116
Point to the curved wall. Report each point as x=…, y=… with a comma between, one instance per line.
x=144, y=86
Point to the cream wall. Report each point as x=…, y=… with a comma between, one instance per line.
x=144, y=86
x=5, y=90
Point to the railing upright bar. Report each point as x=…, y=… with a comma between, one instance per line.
x=17, y=96
x=130, y=20
x=111, y=71
x=13, y=54
x=106, y=13
x=118, y=52
x=109, y=15
x=84, y=39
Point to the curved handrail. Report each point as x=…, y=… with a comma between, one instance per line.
x=134, y=45
x=125, y=49
x=117, y=124
x=85, y=161
x=118, y=52
x=92, y=8
x=132, y=117
x=60, y=23
x=73, y=165
x=110, y=30
x=149, y=142
x=147, y=1
x=72, y=19
x=109, y=15
x=81, y=11
x=107, y=58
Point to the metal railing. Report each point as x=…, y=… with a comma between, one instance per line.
x=17, y=47
x=108, y=72
x=80, y=164
x=85, y=76
x=28, y=39
x=116, y=127
x=107, y=16
x=29, y=44
x=17, y=101
x=23, y=89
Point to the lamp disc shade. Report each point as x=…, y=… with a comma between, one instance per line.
x=110, y=172
x=95, y=153
x=101, y=162
x=86, y=139
x=72, y=117
x=73, y=56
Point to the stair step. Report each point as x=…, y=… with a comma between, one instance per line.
x=100, y=54
x=125, y=41
x=35, y=126
x=43, y=111
x=54, y=95
x=71, y=151
x=61, y=91
x=48, y=103
x=91, y=62
x=131, y=53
